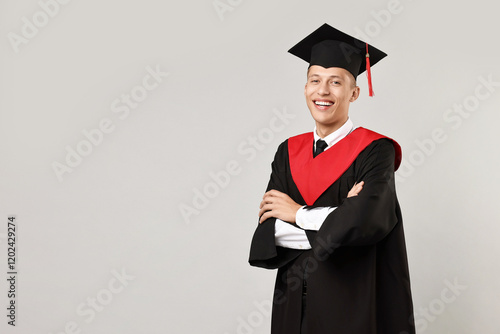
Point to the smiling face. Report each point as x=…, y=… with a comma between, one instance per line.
x=328, y=92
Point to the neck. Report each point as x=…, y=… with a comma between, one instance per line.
x=324, y=130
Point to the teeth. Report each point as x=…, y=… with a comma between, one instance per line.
x=322, y=103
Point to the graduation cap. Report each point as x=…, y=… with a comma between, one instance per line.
x=330, y=47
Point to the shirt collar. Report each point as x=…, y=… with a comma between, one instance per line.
x=336, y=135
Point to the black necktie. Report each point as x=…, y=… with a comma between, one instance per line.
x=320, y=147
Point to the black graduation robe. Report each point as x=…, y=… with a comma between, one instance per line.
x=357, y=270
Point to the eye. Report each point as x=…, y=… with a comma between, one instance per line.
x=336, y=83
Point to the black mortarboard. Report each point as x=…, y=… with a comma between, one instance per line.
x=330, y=47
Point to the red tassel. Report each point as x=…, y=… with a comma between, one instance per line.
x=368, y=72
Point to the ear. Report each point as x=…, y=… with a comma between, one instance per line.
x=355, y=94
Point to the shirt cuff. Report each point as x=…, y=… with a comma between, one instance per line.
x=312, y=218
x=290, y=236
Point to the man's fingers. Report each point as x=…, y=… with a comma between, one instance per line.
x=263, y=210
x=272, y=196
x=266, y=200
x=266, y=208
x=356, y=189
x=262, y=204
x=265, y=216
x=358, y=186
x=273, y=193
x=273, y=204
x=267, y=204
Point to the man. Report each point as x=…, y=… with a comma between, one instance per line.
x=330, y=221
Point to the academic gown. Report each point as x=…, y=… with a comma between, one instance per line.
x=357, y=271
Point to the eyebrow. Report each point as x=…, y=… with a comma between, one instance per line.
x=331, y=76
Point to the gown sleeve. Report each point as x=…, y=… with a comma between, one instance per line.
x=263, y=250
x=367, y=218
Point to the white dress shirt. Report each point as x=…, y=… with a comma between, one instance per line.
x=294, y=236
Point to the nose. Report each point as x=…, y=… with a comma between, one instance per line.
x=324, y=89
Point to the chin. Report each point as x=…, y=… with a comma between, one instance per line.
x=326, y=116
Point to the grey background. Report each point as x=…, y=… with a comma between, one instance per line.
x=119, y=210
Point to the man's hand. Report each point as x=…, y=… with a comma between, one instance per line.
x=356, y=189
x=278, y=205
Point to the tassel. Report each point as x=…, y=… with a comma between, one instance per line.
x=368, y=72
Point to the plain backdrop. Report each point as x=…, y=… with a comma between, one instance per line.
x=136, y=217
